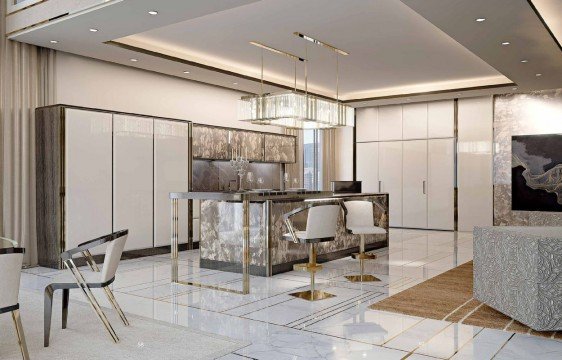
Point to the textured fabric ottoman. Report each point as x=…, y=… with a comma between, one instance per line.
x=518, y=271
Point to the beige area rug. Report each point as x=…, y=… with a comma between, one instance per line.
x=86, y=338
x=448, y=297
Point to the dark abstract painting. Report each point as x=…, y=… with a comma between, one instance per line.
x=536, y=172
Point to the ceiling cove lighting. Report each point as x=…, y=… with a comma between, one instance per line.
x=296, y=109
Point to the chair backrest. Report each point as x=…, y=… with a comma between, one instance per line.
x=112, y=257
x=11, y=260
x=322, y=221
x=359, y=213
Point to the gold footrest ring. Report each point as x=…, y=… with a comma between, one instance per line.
x=307, y=267
x=364, y=256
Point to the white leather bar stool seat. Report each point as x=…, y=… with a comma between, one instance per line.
x=359, y=220
x=366, y=230
x=321, y=226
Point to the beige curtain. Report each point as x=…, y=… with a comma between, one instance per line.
x=296, y=170
x=26, y=82
x=328, y=158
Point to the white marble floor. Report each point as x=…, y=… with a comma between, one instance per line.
x=280, y=326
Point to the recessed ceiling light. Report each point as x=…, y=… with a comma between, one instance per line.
x=514, y=88
x=524, y=61
x=153, y=12
x=54, y=42
x=505, y=43
x=234, y=83
x=134, y=60
x=94, y=30
x=459, y=94
x=186, y=72
x=537, y=75
x=480, y=19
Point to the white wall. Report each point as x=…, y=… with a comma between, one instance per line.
x=475, y=162
x=87, y=82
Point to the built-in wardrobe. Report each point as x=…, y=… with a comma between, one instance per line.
x=100, y=171
x=409, y=151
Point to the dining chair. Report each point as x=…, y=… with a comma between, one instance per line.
x=11, y=261
x=88, y=280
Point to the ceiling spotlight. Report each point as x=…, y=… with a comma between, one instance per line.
x=537, y=75
x=234, y=83
x=505, y=43
x=54, y=42
x=480, y=19
x=94, y=30
x=153, y=12
x=524, y=61
x=186, y=72
x=134, y=60
x=459, y=94
x=514, y=88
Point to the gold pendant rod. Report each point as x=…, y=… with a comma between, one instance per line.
x=321, y=43
x=277, y=51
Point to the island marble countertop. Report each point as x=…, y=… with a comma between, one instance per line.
x=256, y=195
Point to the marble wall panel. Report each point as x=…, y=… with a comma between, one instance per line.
x=210, y=143
x=521, y=114
x=216, y=175
x=279, y=148
x=251, y=143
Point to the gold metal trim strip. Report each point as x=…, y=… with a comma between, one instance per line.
x=277, y=51
x=321, y=43
x=8, y=13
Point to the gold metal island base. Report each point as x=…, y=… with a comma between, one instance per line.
x=312, y=267
x=362, y=256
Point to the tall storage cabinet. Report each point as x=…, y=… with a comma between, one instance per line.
x=99, y=172
x=171, y=162
x=414, y=184
x=415, y=146
x=132, y=179
x=87, y=176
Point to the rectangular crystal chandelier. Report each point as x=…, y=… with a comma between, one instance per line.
x=296, y=110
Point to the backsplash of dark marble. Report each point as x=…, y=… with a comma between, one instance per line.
x=216, y=176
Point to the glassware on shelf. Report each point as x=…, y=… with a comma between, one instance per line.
x=295, y=183
x=260, y=182
x=286, y=180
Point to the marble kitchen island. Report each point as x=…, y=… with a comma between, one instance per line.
x=223, y=216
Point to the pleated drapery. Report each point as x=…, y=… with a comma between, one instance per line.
x=328, y=158
x=26, y=82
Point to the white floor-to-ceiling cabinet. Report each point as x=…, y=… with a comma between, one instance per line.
x=408, y=151
x=119, y=170
x=132, y=179
x=88, y=186
x=414, y=184
x=171, y=149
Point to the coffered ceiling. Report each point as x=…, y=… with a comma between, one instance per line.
x=399, y=49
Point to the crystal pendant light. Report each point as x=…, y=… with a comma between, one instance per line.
x=294, y=109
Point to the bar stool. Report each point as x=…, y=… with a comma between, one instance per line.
x=359, y=220
x=320, y=227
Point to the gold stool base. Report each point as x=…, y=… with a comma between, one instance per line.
x=312, y=295
x=364, y=278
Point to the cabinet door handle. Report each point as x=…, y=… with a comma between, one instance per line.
x=380, y=186
x=423, y=187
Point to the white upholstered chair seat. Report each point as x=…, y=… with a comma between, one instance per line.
x=366, y=230
x=67, y=277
